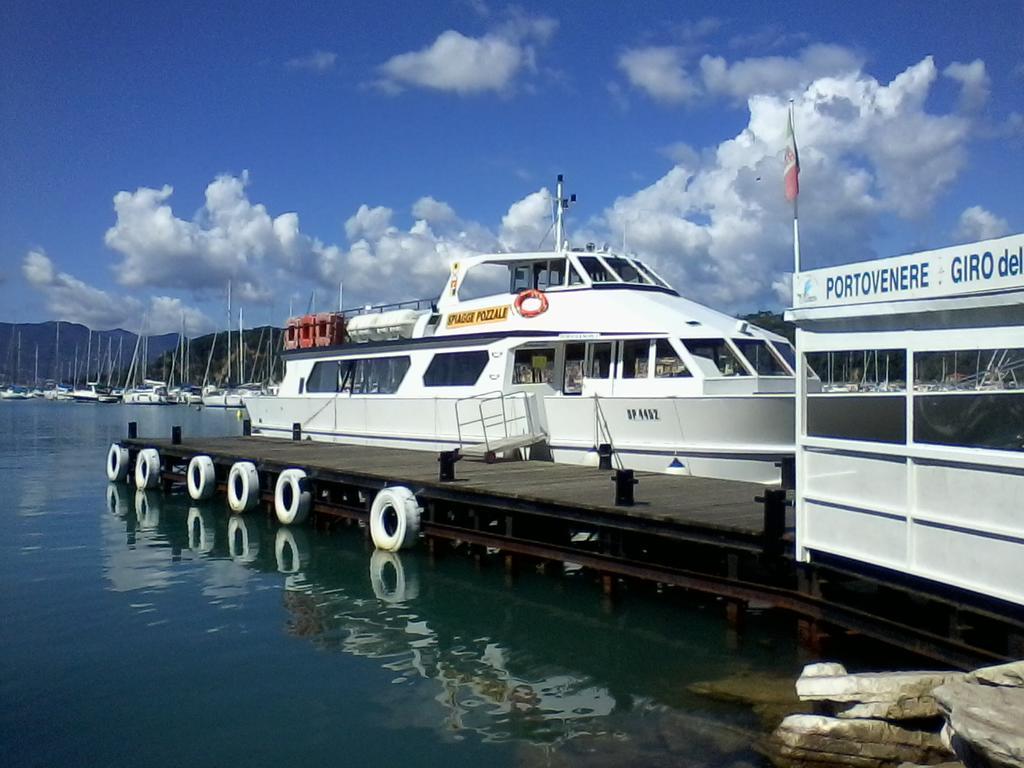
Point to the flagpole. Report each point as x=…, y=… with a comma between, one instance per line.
x=796, y=218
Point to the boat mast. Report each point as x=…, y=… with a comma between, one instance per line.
x=241, y=349
x=561, y=205
x=56, y=355
x=228, y=328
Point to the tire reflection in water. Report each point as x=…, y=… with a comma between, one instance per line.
x=389, y=579
x=118, y=499
x=147, y=509
x=243, y=539
x=201, y=534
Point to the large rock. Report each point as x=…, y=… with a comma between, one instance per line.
x=985, y=723
x=1011, y=674
x=816, y=740
x=887, y=695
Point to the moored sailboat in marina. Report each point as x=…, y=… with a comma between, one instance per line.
x=567, y=355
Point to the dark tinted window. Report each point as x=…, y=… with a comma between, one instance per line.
x=666, y=362
x=975, y=420
x=715, y=357
x=879, y=418
x=635, y=358
x=533, y=366
x=600, y=361
x=785, y=349
x=323, y=377
x=455, y=369
x=598, y=272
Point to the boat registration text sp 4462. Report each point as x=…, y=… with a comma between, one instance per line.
x=477, y=316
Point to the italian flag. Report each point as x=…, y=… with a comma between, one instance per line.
x=792, y=172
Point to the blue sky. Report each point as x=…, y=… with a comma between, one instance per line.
x=149, y=152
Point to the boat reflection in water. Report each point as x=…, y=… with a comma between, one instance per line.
x=469, y=650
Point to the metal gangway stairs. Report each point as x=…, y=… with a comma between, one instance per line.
x=495, y=422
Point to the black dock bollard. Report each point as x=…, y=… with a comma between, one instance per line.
x=446, y=460
x=296, y=431
x=624, y=482
x=133, y=430
x=246, y=428
x=604, y=456
x=176, y=435
x=774, y=501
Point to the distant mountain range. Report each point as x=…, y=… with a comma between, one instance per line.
x=106, y=346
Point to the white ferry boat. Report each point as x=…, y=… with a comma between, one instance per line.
x=564, y=355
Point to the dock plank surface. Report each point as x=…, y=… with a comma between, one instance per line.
x=723, y=505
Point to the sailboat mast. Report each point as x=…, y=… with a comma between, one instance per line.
x=228, y=334
x=56, y=356
x=241, y=342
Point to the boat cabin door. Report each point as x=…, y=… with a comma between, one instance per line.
x=598, y=368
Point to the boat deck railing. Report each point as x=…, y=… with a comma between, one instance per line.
x=370, y=309
x=498, y=416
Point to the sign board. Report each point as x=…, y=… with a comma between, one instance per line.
x=477, y=316
x=960, y=270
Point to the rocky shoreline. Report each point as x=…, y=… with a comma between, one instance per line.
x=893, y=719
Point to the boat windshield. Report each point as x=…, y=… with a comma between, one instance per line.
x=714, y=357
x=626, y=270
x=649, y=273
x=760, y=357
x=598, y=271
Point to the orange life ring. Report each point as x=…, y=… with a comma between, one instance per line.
x=531, y=293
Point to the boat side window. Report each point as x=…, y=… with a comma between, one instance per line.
x=323, y=377
x=715, y=358
x=483, y=280
x=599, y=273
x=533, y=366
x=455, y=369
x=346, y=372
x=599, y=363
x=761, y=357
x=522, y=278
x=626, y=270
x=378, y=375
x=549, y=274
x=636, y=355
x=667, y=364
x=572, y=378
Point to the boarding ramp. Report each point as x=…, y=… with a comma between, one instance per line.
x=496, y=422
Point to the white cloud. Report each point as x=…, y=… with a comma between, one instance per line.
x=317, y=61
x=69, y=298
x=717, y=224
x=978, y=224
x=773, y=74
x=368, y=222
x=230, y=238
x=467, y=65
x=434, y=211
x=975, y=84
x=527, y=222
x=662, y=73
x=658, y=71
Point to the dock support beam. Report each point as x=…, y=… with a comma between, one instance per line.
x=133, y=430
x=604, y=456
x=774, y=501
x=246, y=428
x=176, y=435
x=296, y=431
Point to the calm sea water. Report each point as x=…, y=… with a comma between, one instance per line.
x=144, y=630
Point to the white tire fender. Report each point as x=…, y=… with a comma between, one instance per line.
x=202, y=478
x=243, y=487
x=292, y=497
x=147, y=469
x=394, y=519
x=117, y=463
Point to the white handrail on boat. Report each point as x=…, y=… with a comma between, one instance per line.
x=493, y=420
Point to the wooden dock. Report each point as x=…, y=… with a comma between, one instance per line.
x=729, y=539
